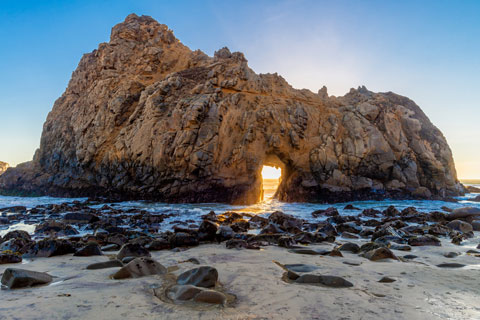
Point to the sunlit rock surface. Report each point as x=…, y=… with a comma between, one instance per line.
x=3, y=167
x=145, y=117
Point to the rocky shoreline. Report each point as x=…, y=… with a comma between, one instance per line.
x=130, y=245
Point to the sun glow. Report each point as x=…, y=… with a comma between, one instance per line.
x=271, y=172
x=271, y=179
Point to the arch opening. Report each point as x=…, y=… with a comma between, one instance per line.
x=272, y=173
x=271, y=176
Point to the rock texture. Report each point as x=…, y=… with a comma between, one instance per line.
x=145, y=117
x=3, y=167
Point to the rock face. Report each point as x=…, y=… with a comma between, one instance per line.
x=3, y=167
x=145, y=117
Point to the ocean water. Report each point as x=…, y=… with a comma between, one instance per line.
x=191, y=213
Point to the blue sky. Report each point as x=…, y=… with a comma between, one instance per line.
x=426, y=50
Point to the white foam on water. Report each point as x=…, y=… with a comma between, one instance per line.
x=193, y=212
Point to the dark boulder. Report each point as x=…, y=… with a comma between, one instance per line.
x=205, y=277
x=350, y=247
x=6, y=258
x=327, y=281
x=330, y=212
x=90, y=249
x=158, y=244
x=380, y=254
x=140, y=267
x=105, y=265
x=50, y=248
x=53, y=227
x=183, y=239
x=132, y=250
x=19, y=278
x=459, y=225
x=207, y=231
x=426, y=240
x=79, y=217
x=285, y=222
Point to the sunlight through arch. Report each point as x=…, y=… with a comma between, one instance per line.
x=271, y=179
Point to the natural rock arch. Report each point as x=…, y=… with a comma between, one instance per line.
x=144, y=117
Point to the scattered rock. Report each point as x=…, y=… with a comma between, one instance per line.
x=400, y=247
x=463, y=213
x=210, y=296
x=426, y=240
x=90, y=249
x=183, y=239
x=450, y=265
x=335, y=253
x=350, y=247
x=285, y=222
x=328, y=281
x=225, y=233
x=308, y=251
x=391, y=211
x=207, y=231
x=128, y=259
x=298, y=267
x=476, y=225
x=387, y=280
x=380, y=254
x=158, y=244
x=351, y=207
x=451, y=254
x=50, y=248
x=140, y=267
x=240, y=244
x=183, y=292
x=79, y=217
x=105, y=265
x=459, y=225
x=20, y=278
x=201, y=277
x=286, y=242
x=56, y=228
x=476, y=199
x=6, y=258
x=330, y=212
x=348, y=235
x=17, y=234
x=193, y=260
x=110, y=247
x=132, y=250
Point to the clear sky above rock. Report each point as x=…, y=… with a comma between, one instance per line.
x=426, y=50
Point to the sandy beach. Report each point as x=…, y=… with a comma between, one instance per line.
x=421, y=290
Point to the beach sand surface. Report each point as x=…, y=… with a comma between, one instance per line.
x=422, y=290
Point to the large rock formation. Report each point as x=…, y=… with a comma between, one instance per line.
x=145, y=117
x=3, y=167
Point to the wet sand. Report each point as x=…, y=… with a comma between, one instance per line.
x=422, y=290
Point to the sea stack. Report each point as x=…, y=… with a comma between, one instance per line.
x=144, y=117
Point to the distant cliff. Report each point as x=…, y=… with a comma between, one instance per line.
x=3, y=167
x=145, y=117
